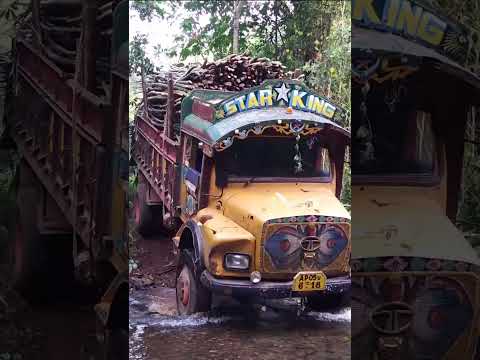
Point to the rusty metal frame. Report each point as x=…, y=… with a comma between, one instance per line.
x=60, y=93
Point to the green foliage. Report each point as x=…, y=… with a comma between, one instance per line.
x=213, y=38
x=268, y=22
x=11, y=14
x=13, y=11
x=308, y=28
x=469, y=204
x=346, y=195
x=329, y=72
x=148, y=9
x=132, y=187
x=138, y=60
x=466, y=12
x=135, y=97
x=292, y=32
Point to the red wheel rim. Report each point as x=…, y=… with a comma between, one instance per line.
x=184, y=287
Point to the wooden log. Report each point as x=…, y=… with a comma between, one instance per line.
x=233, y=73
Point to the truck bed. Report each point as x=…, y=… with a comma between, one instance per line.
x=157, y=157
x=54, y=113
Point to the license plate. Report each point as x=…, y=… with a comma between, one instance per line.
x=309, y=281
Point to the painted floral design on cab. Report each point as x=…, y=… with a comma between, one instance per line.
x=305, y=245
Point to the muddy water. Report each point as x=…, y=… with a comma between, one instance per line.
x=234, y=332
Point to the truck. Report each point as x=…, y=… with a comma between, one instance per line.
x=415, y=277
x=69, y=125
x=248, y=183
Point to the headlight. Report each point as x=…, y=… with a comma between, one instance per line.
x=237, y=262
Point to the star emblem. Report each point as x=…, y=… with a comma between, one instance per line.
x=220, y=114
x=282, y=92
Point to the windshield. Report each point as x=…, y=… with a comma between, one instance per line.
x=267, y=157
x=400, y=143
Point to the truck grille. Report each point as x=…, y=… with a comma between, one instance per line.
x=305, y=243
x=431, y=311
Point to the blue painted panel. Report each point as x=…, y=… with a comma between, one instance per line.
x=192, y=176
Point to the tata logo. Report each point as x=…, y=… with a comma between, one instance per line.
x=392, y=318
x=310, y=243
x=401, y=16
x=281, y=94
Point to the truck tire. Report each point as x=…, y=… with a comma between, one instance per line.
x=148, y=218
x=142, y=212
x=192, y=296
x=320, y=302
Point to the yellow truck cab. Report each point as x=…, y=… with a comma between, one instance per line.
x=256, y=190
x=415, y=278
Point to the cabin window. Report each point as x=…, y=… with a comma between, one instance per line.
x=193, y=154
x=419, y=146
x=187, y=151
x=400, y=143
x=273, y=157
x=323, y=162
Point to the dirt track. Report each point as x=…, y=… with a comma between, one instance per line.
x=155, y=260
x=230, y=331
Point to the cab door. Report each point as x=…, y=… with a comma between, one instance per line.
x=191, y=175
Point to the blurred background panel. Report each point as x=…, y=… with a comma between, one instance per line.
x=64, y=166
x=415, y=177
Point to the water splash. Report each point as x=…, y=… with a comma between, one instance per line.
x=342, y=316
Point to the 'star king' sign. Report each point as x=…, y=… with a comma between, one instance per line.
x=412, y=21
x=277, y=93
x=401, y=16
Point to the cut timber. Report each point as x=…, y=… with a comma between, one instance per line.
x=233, y=73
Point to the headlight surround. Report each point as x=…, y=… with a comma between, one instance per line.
x=237, y=261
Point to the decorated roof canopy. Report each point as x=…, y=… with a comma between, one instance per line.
x=286, y=106
x=411, y=28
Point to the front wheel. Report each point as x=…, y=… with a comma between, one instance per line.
x=192, y=296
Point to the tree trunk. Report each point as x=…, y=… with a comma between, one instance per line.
x=236, y=24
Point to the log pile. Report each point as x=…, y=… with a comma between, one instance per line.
x=233, y=73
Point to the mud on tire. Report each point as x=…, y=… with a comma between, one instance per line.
x=192, y=296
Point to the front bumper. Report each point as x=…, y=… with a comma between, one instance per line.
x=268, y=289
